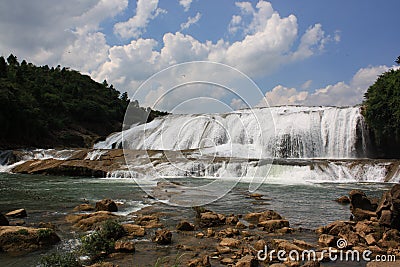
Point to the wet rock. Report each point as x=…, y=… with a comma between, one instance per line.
x=103, y=264
x=20, y=223
x=303, y=244
x=124, y=246
x=260, y=245
x=247, y=261
x=385, y=218
x=163, y=237
x=19, y=213
x=84, y=207
x=210, y=219
x=26, y=239
x=149, y=221
x=227, y=261
x=3, y=220
x=231, y=220
x=343, y=200
x=388, y=211
x=240, y=225
x=185, y=226
x=361, y=214
x=134, y=230
x=106, y=205
x=256, y=217
x=200, y=262
x=223, y=249
x=273, y=225
x=229, y=242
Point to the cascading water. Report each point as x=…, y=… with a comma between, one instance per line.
x=280, y=132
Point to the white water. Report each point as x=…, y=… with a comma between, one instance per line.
x=282, y=132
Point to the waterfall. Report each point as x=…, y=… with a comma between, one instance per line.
x=279, y=132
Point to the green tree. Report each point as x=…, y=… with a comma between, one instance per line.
x=382, y=113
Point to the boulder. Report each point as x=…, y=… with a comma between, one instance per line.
x=3, y=220
x=200, y=262
x=90, y=221
x=149, y=221
x=84, y=207
x=229, y=242
x=273, y=225
x=106, y=205
x=232, y=220
x=359, y=200
x=343, y=200
x=362, y=214
x=210, y=219
x=260, y=245
x=247, y=261
x=124, y=246
x=327, y=240
x=134, y=230
x=256, y=217
x=184, y=226
x=26, y=239
x=163, y=237
x=19, y=213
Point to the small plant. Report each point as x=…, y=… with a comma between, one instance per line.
x=112, y=230
x=23, y=232
x=44, y=233
x=59, y=259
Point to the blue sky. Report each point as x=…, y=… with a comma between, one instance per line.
x=304, y=52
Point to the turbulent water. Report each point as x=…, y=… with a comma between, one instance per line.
x=280, y=132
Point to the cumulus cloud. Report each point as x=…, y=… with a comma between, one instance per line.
x=186, y=4
x=146, y=10
x=306, y=85
x=339, y=94
x=190, y=21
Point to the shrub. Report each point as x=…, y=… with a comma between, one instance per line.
x=59, y=259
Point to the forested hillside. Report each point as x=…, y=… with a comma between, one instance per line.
x=56, y=107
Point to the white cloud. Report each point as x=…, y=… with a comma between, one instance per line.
x=190, y=21
x=186, y=4
x=306, y=85
x=339, y=94
x=146, y=10
x=238, y=104
x=234, y=25
x=281, y=95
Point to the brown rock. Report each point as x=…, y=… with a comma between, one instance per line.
x=311, y=264
x=247, y=261
x=106, y=205
x=185, y=226
x=26, y=239
x=385, y=218
x=90, y=221
x=229, y=242
x=103, y=264
x=360, y=214
x=370, y=239
x=256, y=217
x=223, y=249
x=240, y=225
x=124, y=246
x=343, y=200
x=134, y=230
x=260, y=245
x=3, y=220
x=210, y=219
x=163, y=237
x=302, y=244
x=149, y=221
x=327, y=240
x=231, y=220
x=227, y=261
x=273, y=225
x=84, y=207
x=19, y=213
x=200, y=262
x=359, y=200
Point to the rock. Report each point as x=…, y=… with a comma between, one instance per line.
x=210, y=219
x=200, y=262
x=278, y=265
x=247, y=261
x=19, y=213
x=134, y=230
x=382, y=264
x=256, y=217
x=229, y=242
x=240, y=225
x=273, y=225
x=231, y=220
x=149, y=221
x=385, y=218
x=391, y=235
x=26, y=239
x=385, y=202
x=370, y=239
x=227, y=261
x=124, y=246
x=260, y=245
x=106, y=205
x=21, y=222
x=3, y=220
x=311, y=264
x=302, y=244
x=84, y=207
x=360, y=214
x=103, y=264
x=210, y=232
x=223, y=250
x=90, y=221
x=199, y=235
x=327, y=240
x=343, y=200
x=163, y=237
x=185, y=226
x=359, y=200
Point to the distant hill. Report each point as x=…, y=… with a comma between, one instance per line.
x=57, y=107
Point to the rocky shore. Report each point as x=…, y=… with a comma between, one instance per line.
x=206, y=238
